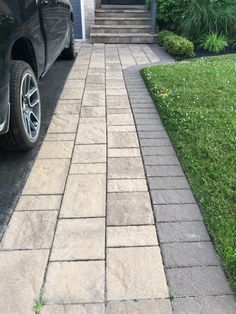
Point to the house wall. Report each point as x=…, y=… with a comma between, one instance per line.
x=89, y=14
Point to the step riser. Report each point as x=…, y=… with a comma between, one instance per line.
x=120, y=30
x=123, y=40
x=123, y=22
x=123, y=15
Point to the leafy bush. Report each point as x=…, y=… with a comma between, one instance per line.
x=178, y=46
x=214, y=43
x=161, y=35
x=200, y=17
x=195, y=18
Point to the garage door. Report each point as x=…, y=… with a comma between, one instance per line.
x=77, y=18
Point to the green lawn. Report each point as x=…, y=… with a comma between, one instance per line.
x=197, y=103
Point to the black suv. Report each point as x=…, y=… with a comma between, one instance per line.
x=33, y=33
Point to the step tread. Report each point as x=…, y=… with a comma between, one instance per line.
x=121, y=35
x=120, y=11
x=122, y=18
x=119, y=26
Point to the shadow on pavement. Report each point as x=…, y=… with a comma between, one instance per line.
x=15, y=167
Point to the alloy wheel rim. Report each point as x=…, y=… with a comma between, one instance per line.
x=30, y=106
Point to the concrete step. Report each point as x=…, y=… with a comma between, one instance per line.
x=132, y=7
x=125, y=38
x=122, y=21
x=120, y=29
x=122, y=13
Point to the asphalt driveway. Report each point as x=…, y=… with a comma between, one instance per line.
x=15, y=167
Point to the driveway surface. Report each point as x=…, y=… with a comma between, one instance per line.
x=91, y=233
x=14, y=167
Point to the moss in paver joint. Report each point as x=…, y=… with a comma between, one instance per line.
x=38, y=306
x=196, y=101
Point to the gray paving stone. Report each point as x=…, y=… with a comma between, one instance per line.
x=152, y=116
x=155, y=142
x=194, y=231
x=147, y=121
x=164, y=171
x=158, y=151
x=172, y=197
x=198, y=281
x=168, y=183
x=224, y=304
x=177, y=212
x=144, y=110
x=149, y=127
x=153, y=134
x=189, y=254
x=169, y=160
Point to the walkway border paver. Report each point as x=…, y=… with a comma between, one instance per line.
x=192, y=267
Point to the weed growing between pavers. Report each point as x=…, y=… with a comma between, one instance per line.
x=196, y=101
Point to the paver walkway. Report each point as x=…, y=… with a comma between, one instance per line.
x=83, y=235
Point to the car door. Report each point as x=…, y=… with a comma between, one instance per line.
x=54, y=15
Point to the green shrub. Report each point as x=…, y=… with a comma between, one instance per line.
x=200, y=17
x=163, y=34
x=178, y=46
x=214, y=43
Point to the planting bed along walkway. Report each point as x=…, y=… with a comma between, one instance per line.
x=106, y=222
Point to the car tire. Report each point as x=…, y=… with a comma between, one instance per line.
x=69, y=53
x=25, y=109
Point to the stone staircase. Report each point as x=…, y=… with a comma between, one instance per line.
x=122, y=26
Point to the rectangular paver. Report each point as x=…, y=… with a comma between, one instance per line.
x=75, y=282
x=79, y=239
x=84, y=196
x=135, y=273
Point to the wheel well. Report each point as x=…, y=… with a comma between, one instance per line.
x=72, y=17
x=23, y=50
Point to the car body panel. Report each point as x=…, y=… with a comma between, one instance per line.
x=30, y=20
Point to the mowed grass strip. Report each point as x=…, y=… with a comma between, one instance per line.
x=197, y=103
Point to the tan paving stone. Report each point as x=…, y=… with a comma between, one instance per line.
x=62, y=149
x=96, y=78
x=124, y=152
x=93, y=99
x=122, y=139
x=39, y=202
x=75, y=282
x=74, y=84
x=74, y=309
x=84, y=196
x=21, y=277
x=77, y=73
x=127, y=185
x=140, y=307
x=91, y=134
x=129, y=209
x=52, y=137
x=121, y=128
x=120, y=119
x=93, y=121
x=30, y=230
x=125, y=168
x=47, y=176
x=67, y=109
x=111, y=91
x=135, y=273
x=78, y=239
x=72, y=93
x=66, y=123
x=95, y=87
x=118, y=111
x=91, y=112
x=88, y=168
x=131, y=236
x=117, y=102
x=89, y=154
